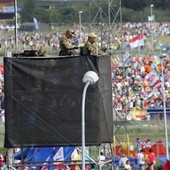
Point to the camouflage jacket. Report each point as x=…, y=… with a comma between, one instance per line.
x=91, y=49
x=66, y=48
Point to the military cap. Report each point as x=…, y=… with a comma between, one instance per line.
x=70, y=31
x=92, y=35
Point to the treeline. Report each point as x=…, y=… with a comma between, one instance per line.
x=138, y=5
x=67, y=12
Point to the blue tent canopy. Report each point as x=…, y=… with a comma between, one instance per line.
x=43, y=155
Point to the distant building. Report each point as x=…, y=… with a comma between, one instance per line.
x=3, y=3
x=6, y=14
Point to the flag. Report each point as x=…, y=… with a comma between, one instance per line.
x=144, y=93
x=158, y=85
x=137, y=41
x=167, y=165
x=126, y=57
x=59, y=156
x=153, y=80
x=150, y=76
x=36, y=23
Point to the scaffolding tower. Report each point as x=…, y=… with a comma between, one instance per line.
x=106, y=17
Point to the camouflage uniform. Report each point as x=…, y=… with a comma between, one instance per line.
x=66, y=48
x=89, y=48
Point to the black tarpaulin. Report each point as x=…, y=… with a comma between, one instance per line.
x=43, y=98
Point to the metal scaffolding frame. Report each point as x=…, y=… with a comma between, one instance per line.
x=107, y=16
x=110, y=21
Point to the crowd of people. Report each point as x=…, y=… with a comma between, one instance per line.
x=137, y=82
x=50, y=41
x=145, y=162
x=131, y=87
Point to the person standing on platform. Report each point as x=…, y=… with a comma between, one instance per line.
x=90, y=46
x=66, y=47
x=128, y=165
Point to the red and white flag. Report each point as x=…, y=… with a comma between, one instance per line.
x=59, y=156
x=158, y=85
x=150, y=76
x=137, y=41
x=153, y=80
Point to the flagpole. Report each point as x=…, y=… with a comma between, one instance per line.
x=16, y=33
x=164, y=108
x=80, y=12
x=151, y=6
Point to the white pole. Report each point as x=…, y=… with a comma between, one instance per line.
x=10, y=157
x=164, y=110
x=80, y=12
x=16, y=26
x=151, y=6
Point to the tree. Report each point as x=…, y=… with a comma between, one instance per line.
x=28, y=11
x=135, y=4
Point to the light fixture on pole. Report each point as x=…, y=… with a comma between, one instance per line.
x=89, y=78
x=164, y=106
x=80, y=12
x=151, y=19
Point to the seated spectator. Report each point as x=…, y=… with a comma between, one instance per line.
x=127, y=166
x=101, y=157
x=1, y=161
x=93, y=166
x=123, y=160
x=148, y=143
x=148, y=67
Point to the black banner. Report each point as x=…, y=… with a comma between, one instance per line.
x=43, y=98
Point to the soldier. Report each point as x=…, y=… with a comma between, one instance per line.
x=66, y=48
x=90, y=47
x=42, y=52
